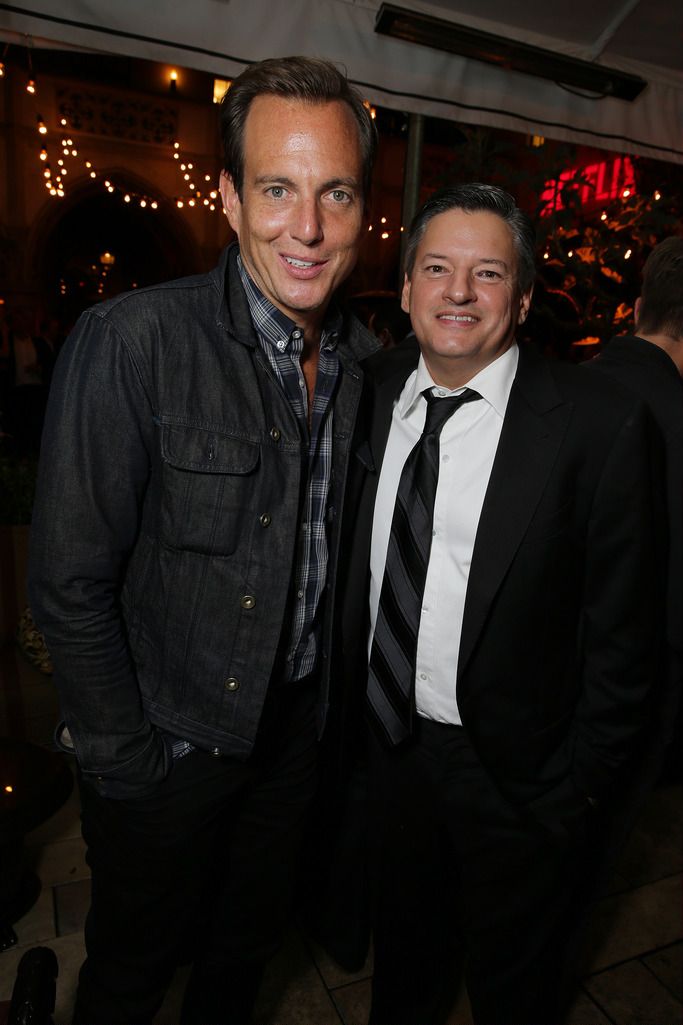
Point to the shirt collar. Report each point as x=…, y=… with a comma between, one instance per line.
x=274, y=327
x=493, y=383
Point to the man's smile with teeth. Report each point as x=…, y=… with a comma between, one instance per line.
x=300, y=263
x=464, y=317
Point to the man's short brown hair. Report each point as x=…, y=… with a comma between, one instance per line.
x=661, y=297
x=298, y=78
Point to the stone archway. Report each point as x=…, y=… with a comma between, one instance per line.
x=66, y=245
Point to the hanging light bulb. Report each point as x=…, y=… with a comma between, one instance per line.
x=41, y=125
x=31, y=86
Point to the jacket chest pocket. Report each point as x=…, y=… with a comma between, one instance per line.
x=209, y=489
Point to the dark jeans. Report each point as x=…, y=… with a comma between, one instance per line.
x=201, y=870
x=464, y=883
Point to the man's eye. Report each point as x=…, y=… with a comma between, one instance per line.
x=276, y=191
x=435, y=268
x=340, y=196
x=489, y=275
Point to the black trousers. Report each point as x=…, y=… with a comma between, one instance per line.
x=201, y=870
x=464, y=883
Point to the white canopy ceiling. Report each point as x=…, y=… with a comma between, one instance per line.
x=644, y=37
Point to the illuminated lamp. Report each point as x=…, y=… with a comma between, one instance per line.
x=509, y=54
x=107, y=259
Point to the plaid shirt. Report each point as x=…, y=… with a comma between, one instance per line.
x=282, y=342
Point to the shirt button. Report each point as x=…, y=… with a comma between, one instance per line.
x=282, y=346
x=296, y=333
x=216, y=752
x=302, y=384
x=265, y=520
x=231, y=684
x=275, y=433
x=423, y=676
x=299, y=594
x=248, y=601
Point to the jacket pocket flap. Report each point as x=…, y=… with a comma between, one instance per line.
x=207, y=451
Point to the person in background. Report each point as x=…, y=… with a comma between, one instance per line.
x=507, y=524
x=650, y=363
x=183, y=556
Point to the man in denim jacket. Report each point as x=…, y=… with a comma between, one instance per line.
x=183, y=547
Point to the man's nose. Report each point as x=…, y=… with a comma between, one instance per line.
x=458, y=287
x=308, y=225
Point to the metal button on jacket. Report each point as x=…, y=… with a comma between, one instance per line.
x=231, y=683
x=265, y=520
x=248, y=601
x=275, y=433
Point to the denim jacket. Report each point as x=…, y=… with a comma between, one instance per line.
x=165, y=523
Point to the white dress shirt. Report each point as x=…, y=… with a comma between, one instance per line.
x=468, y=446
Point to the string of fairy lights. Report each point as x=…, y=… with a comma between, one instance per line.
x=61, y=159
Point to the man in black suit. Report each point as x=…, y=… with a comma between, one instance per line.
x=528, y=642
x=650, y=363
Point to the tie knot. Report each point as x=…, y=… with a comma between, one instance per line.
x=440, y=409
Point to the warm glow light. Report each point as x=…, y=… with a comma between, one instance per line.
x=570, y=253
x=126, y=199
x=220, y=88
x=2, y=69
x=154, y=204
x=173, y=76
x=30, y=86
x=603, y=216
x=107, y=259
x=369, y=227
x=143, y=203
x=213, y=195
x=385, y=234
x=657, y=195
x=41, y=125
x=179, y=204
x=176, y=145
x=190, y=202
x=88, y=164
x=626, y=193
x=383, y=220
x=627, y=254
x=93, y=174
x=546, y=255
x=43, y=154
x=9, y=789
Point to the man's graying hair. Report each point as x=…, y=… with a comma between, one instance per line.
x=661, y=297
x=297, y=78
x=473, y=197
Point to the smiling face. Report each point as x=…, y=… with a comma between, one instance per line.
x=462, y=294
x=300, y=218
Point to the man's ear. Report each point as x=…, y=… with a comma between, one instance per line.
x=231, y=202
x=636, y=310
x=405, y=295
x=524, y=304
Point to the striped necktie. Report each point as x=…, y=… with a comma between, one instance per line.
x=391, y=676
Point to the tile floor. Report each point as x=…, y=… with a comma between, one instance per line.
x=633, y=970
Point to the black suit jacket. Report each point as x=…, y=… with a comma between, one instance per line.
x=559, y=630
x=648, y=371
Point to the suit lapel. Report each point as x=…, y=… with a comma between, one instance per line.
x=535, y=423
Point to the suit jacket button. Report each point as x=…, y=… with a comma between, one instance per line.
x=232, y=684
x=265, y=520
x=248, y=601
x=216, y=752
x=275, y=433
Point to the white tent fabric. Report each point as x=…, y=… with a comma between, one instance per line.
x=643, y=37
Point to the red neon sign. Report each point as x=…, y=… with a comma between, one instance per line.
x=595, y=184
